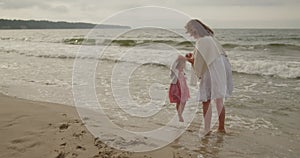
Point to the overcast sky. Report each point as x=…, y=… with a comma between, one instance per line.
x=216, y=13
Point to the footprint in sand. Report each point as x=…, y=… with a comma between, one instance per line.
x=23, y=144
x=77, y=135
x=61, y=155
x=14, y=121
x=80, y=147
x=85, y=118
x=74, y=121
x=74, y=154
x=63, y=144
x=64, y=126
x=19, y=140
x=106, y=151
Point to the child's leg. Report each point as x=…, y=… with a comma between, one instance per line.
x=221, y=113
x=178, y=109
x=181, y=108
x=207, y=113
x=177, y=106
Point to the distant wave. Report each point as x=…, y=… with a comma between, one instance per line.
x=70, y=56
x=279, y=45
x=182, y=44
x=5, y=38
x=271, y=46
x=125, y=42
x=171, y=42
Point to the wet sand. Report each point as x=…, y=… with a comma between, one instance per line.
x=31, y=129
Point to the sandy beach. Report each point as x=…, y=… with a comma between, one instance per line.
x=37, y=129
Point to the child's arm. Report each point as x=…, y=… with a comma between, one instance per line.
x=189, y=57
x=191, y=60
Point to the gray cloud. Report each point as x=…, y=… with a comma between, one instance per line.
x=27, y=4
x=8, y=4
x=212, y=11
x=240, y=2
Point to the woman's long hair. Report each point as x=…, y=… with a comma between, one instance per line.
x=198, y=29
x=205, y=26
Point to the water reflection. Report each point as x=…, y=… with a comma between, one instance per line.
x=211, y=145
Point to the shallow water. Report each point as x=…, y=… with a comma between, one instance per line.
x=262, y=116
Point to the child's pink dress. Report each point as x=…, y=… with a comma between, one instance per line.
x=179, y=92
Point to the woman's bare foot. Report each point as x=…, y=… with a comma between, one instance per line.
x=221, y=131
x=204, y=133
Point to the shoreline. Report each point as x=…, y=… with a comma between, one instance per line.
x=38, y=129
x=32, y=129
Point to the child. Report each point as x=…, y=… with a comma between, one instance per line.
x=178, y=91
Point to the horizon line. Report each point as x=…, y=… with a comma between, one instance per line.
x=133, y=26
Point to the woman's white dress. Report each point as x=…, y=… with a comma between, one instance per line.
x=216, y=82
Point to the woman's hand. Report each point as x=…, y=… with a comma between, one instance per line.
x=189, y=57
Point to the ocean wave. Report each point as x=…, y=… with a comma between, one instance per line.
x=270, y=46
x=125, y=42
x=258, y=67
x=285, y=38
x=5, y=38
x=177, y=43
x=281, y=69
x=79, y=41
x=73, y=56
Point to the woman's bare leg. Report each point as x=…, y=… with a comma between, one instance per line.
x=221, y=113
x=207, y=113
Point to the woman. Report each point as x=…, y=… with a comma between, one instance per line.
x=210, y=64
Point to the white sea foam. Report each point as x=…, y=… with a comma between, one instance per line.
x=282, y=69
x=249, y=123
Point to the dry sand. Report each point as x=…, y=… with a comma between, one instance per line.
x=37, y=129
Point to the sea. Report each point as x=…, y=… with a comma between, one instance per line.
x=262, y=115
